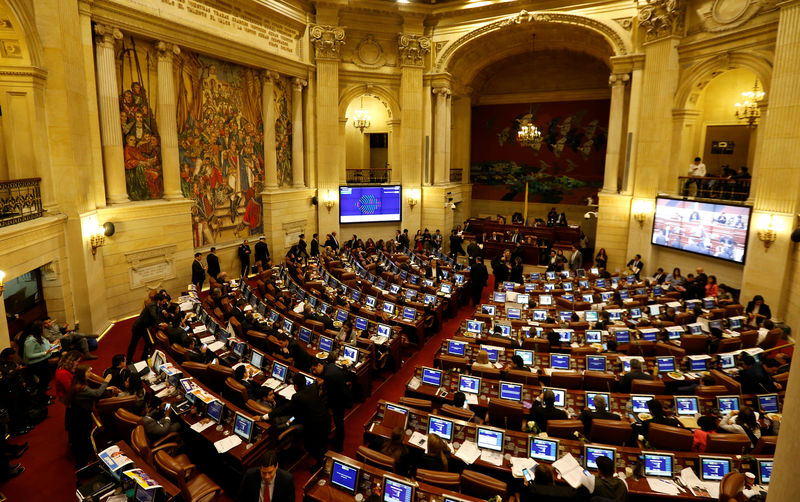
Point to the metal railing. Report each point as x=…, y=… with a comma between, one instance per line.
x=20, y=200
x=456, y=175
x=379, y=175
x=711, y=187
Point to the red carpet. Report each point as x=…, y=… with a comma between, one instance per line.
x=49, y=452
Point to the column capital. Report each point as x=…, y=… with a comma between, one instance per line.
x=662, y=18
x=618, y=79
x=167, y=50
x=327, y=41
x=442, y=91
x=106, y=36
x=413, y=48
x=299, y=83
x=269, y=76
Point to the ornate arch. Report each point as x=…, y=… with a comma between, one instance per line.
x=697, y=77
x=26, y=28
x=617, y=39
x=378, y=92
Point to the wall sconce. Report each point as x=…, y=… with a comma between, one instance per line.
x=766, y=231
x=412, y=196
x=640, y=210
x=2, y=282
x=97, y=234
x=329, y=200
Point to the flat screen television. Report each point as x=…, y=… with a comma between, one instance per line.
x=717, y=230
x=367, y=204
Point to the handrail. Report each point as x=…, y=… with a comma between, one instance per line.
x=715, y=187
x=20, y=200
x=369, y=175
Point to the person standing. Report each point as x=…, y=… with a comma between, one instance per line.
x=198, y=272
x=455, y=245
x=80, y=399
x=262, y=252
x=697, y=170
x=302, y=248
x=479, y=277
x=267, y=482
x=148, y=319
x=576, y=259
x=213, y=263
x=244, y=257
x=636, y=265
x=339, y=398
x=37, y=351
x=315, y=246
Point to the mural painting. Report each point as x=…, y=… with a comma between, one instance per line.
x=564, y=166
x=221, y=147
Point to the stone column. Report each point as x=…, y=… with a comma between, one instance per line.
x=110, y=128
x=298, y=152
x=448, y=129
x=634, y=105
x=684, y=133
x=616, y=117
x=268, y=111
x=167, y=121
x=440, y=173
x=5, y=338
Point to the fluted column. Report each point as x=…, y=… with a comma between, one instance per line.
x=440, y=174
x=298, y=153
x=108, y=99
x=684, y=147
x=268, y=112
x=616, y=116
x=634, y=105
x=168, y=122
x=448, y=139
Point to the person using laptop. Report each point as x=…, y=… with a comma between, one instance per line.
x=636, y=373
x=541, y=414
x=600, y=411
x=606, y=485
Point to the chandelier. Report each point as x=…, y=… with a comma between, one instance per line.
x=748, y=109
x=361, y=118
x=528, y=134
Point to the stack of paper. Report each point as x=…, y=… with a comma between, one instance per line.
x=468, y=452
x=414, y=383
x=472, y=398
x=213, y=347
x=665, y=486
x=227, y=443
x=697, y=487
x=492, y=457
x=418, y=439
x=199, y=329
x=208, y=339
x=202, y=425
x=287, y=392
x=570, y=470
x=519, y=463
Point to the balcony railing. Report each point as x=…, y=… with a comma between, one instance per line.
x=456, y=175
x=710, y=187
x=379, y=175
x=20, y=200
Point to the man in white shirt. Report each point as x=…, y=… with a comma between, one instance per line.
x=697, y=170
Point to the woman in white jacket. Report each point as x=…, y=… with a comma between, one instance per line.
x=745, y=421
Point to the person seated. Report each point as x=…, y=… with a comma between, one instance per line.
x=70, y=339
x=708, y=424
x=542, y=412
x=132, y=386
x=157, y=423
x=606, y=485
x=659, y=417
x=254, y=391
x=118, y=366
x=744, y=421
x=517, y=363
x=636, y=373
x=436, y=457
x=600, y=411
x=756, y=378
x=757, y=311
x=396, y=449
x=482, y=361
x=544, y=488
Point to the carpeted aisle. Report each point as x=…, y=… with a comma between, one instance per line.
x=49, y=454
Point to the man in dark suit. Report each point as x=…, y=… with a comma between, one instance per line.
x=262, y=252
x=455, y=245
x=267, y=483
x=310, y=412
x=636, y=265
x=314, y=245
x=302, y=248
x=339, y=398
x=600, y=411
x=541, y=414
x=244, y=256
x=148, y=319
x=479, y=277
x=636, y=373
x=213, y=263
x=576, y=259
x=474, y=251
x=198, y=272
x=405, y=241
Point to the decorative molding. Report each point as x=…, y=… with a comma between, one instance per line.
x=442, y=91
x=729, y=14
x=268, y=76
x=106, y=36
x=298, y=84
x=369, y=53
x=327, y=41
x=151, y=266
x=440, y=45
x=618, y=79
x=413, y=48
x=662, y=18
x=166, y=51
x=614, y=38
x=625, y=22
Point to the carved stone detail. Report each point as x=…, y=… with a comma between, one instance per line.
x=106, y=35
x=369, y=53
x=413, y=48
x=167, y=50
x=729, y=14
x=662, y=18
x=618, y=79
x=625, y=22
x=327, y=40
x=268, y=76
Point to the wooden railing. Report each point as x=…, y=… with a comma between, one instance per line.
x=379, y=175
x=711, y=187
x=20, y=200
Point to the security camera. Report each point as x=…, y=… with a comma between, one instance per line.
x=452, y=206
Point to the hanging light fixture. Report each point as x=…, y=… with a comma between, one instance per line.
x=361, y=117
x=528, y=133
x=747, y=110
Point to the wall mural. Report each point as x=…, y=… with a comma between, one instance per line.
x=221, y=147
x=565, y=167
x=283, y=130
x=142, y=144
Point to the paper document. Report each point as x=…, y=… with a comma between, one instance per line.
x=664, y=486
x=186, y=306
x=140, y=366
x=202, y=425
x=414, y=383
x=472, y=399
x=492, y=457
x=213, y=347
x=519, y=463
x=199, y=329
x=208, y=339
x=469, y=452
x=570, y=470
x=418, y=439
x=697, y=487
x=287, y=392
x=227, y=443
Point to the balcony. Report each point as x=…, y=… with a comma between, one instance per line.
x=20, y=200
x=717, y=188
x=378, y=175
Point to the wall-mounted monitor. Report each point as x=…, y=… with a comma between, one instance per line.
x=368, y=204
x=717, y=230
